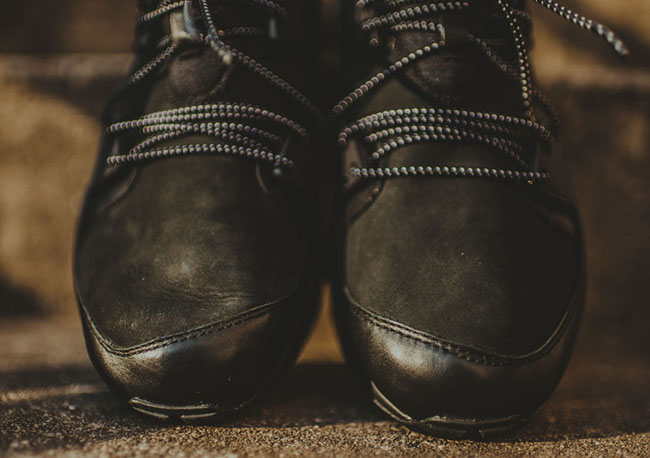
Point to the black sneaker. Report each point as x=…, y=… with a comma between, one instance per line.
x=195, y=268
x=461, y=275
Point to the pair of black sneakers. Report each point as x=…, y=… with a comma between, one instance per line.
x=458, y=255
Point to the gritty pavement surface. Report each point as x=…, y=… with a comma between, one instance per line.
x=52, y=402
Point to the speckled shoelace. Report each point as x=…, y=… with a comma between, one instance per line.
x=242, y=130
x=389, y=130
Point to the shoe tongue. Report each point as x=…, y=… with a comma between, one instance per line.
x=460, y=74
x=198, y=75
x=251, y=13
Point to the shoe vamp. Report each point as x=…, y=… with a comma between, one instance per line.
x=466, y=260
x=194, y=241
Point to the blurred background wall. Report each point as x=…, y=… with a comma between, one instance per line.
x=59, y=60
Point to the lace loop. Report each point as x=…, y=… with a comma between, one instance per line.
x=241, y=130
x=387, y=131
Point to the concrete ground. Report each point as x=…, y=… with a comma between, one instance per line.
x=53, y=403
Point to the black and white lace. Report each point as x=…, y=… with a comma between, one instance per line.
x=240, y=129
x=386, y=131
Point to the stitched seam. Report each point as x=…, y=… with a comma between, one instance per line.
x=413, y=335
x=464, y=353
x=183, y=337
x=441, y=420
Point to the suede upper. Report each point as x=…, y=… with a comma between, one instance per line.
x=469, y=262
x=460, y=276
x=476, y=261
x=195, y=265
x=183, y=243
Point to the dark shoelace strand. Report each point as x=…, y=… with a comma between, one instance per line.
x=387, y=131
x=242, y=130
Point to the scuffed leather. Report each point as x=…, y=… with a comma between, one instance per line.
x=464, y=259
x=197, y=276
x=456, y=297
x=428, y=376
x=224, y=364
x=483, y=266
x=184, y=249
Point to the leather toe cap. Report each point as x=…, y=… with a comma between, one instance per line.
x=422, y=377
x=216, y=368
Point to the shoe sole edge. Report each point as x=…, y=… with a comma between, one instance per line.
x=448, y=427
x=188, y=413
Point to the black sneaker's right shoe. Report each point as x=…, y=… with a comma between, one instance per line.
x=195, y=269
x=461, y=270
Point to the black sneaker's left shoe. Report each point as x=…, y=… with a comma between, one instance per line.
x=461, y=269
x=195, y=268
